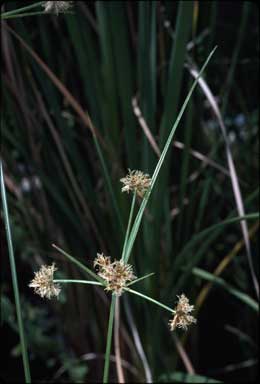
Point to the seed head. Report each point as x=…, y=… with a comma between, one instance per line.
x=115, y=274
x=57, y=7
x=182, y=318
x=102, y=261
x=136, y=181
x=43, y=282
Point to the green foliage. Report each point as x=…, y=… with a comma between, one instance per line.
x=181, y=377
x=63, y=182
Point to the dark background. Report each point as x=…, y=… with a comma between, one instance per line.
x=105, y=53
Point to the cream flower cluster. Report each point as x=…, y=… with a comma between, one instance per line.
x=116, y=274
x=136, y=181
x=57, y=7
x=43, y=282
x=182, y=318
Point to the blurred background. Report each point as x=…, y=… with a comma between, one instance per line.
x=128, y=66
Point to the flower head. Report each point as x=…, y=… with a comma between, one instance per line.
x=136, y=181
x=102, y=261
x=115, y=274
x=57, y=6
x=43, y=282
x=182, y=318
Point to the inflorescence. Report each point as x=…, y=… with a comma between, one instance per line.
x=182, y=318
x=116, y=274
x=43, y=282
x=136, y=181
x=57, y=7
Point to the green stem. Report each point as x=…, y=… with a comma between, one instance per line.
x=109, y=339
x=77, y=281
x=149, y=299
x=26, y=366
x=129, y=226
x=20, y=10
x=140, y=279
x=24, y=15
x=79, y=264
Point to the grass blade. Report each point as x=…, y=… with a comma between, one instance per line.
x=25, y=15
x=141, y=278
x=184, y=19
x=129, y=226
x=149, y=299
x=19, y=10
x=79, y=264
x=77, y=281
x=124, y=79
x=206, y=231
x=109, y=184
x=138, y=219
x=26, y=366
x=233, y=174
x=234, y=61
x=223, y=265
x=235, y=292
x=111, y=105
x=183, y=377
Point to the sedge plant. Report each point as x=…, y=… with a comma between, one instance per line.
x=117, y=276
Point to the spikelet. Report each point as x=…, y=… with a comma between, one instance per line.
x=57, y=7
x=182, y=318
x=43, y=282
x=136, y=181
x=116, y=274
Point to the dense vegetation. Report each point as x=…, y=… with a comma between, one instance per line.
x=87, y=95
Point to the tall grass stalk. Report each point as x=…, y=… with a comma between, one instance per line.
x=129, y=241
x=109, y=338
x=26, y=15
x=18, y=11
x=129, y=226
x=138, y=219
x=113, y=301
x=26, y=366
